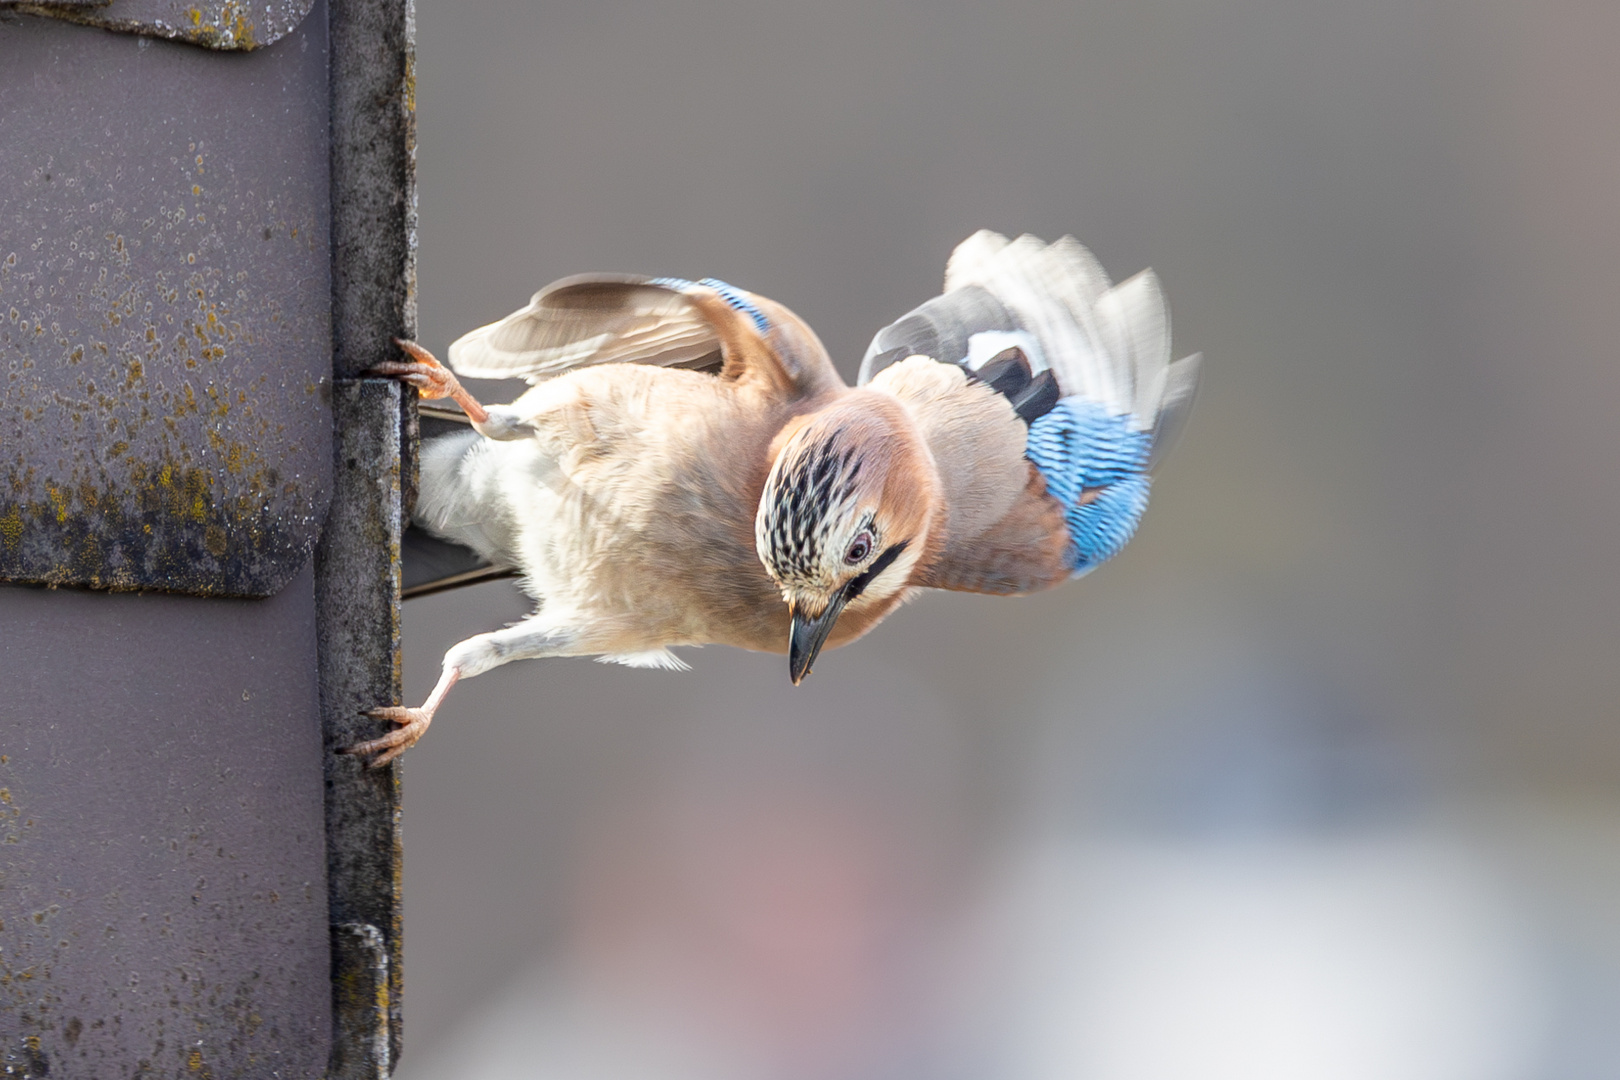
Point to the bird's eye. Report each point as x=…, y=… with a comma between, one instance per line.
x=859, y=549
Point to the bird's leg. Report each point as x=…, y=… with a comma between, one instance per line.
x=412, y=724
x=530, y=639
x=432, y=378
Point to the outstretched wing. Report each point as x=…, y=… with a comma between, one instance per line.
x=1085, y=365
x=612, y=318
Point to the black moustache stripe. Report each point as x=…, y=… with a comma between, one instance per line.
x=884, y=561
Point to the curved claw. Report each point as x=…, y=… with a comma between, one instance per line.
x=380, y=751
x=429, y=376
x=432, y=378
x=416, y=352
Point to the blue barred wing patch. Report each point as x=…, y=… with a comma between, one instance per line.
x=1081, y=448
x=734, y=297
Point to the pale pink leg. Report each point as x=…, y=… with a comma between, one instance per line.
x=413, y=724
x=532, y=638
x=432, y=378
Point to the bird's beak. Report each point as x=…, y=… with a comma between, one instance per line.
x=809, y=634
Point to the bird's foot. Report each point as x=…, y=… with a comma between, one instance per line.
x=380, y=751
x=422, y=371
x=432, y=378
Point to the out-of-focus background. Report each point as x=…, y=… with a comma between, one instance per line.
x=1319, y=779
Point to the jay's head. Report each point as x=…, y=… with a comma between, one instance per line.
x=845, y=516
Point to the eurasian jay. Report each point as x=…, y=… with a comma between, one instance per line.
x=688, y=467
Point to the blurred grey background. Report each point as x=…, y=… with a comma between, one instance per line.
x=1320, y=778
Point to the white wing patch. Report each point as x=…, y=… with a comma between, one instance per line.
x=660, y=659
x=988, y=344
x=1108, y=343
x=1080, y=334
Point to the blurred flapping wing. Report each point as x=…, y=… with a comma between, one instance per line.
x=1041, y=323
x=1086, y=366
x=595, y=319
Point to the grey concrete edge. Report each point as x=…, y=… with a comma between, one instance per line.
x=357, y=562
x=358, y=618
